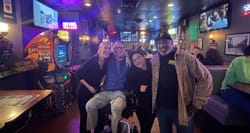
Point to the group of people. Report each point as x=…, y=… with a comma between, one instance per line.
x=172, y=86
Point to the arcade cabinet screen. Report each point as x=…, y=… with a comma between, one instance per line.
x=215, y=19
x=62, y=53
x=44, y=16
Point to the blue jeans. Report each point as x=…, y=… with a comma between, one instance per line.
x=238, y=99
x=167, y=117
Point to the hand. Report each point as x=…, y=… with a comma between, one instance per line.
x=191, y=109
x=92, y=90
x=143, y=88
x=128, y=62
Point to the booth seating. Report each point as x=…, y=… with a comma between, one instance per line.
x=217, y=107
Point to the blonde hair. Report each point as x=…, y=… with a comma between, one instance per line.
x=102, y=44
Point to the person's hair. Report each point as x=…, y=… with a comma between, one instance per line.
x=215, y=55
x=135, y=52
x=247, y=51
x=102, y=44
x=116, y=42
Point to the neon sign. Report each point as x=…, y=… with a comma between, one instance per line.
x=246, y=10
x=69, y=25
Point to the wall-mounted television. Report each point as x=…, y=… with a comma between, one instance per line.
x=129, y=36
x=44, y=16
x=215, y=18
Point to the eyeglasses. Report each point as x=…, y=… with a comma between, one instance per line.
x=119, y=47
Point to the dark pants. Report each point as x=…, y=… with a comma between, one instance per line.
x=238, y=99
x=144, y=114
x=168, y=117
x=83, y=97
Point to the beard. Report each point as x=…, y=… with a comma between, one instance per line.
x=164, y=51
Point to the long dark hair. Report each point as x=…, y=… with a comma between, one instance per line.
x=215, y=56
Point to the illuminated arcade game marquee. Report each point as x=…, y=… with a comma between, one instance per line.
x=53, y=47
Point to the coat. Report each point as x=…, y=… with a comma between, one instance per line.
x=194, y=81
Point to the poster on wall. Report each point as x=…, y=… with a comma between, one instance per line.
x=7, y=11
x=236, y=43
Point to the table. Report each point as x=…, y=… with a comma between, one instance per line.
x=241, y=86
x=11, y=112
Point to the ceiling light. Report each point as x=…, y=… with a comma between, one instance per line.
x=170, y=5
x=87, y=4
x=155, y=17
x=150, y=20
x=119, y=10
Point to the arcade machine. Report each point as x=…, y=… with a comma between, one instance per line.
x=52, y=50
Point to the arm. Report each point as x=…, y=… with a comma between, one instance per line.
x=128, y=61
x=203, y=83
x=82, y=76
x=88, y=86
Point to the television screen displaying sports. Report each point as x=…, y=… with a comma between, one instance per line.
x=62, y=55
x=214, y=19
x=44, y=16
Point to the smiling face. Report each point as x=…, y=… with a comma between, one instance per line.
x=119, y=50
x=104, y=50
x=139, y=61
x=164, y=46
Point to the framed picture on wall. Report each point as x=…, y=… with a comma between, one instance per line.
x=200, y=43
x=235, y=43
x=8, y=12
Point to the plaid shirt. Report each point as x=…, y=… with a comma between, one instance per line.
x=194, y=80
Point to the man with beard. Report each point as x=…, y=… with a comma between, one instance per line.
x=181, y=85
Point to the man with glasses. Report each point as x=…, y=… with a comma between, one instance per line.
x=112, y=90
x=180, y=86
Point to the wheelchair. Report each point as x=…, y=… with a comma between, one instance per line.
x=104, y=124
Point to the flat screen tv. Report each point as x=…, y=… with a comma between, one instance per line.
x=62, y=54
x=44, y=16
x=215, y=19
x=129, y=36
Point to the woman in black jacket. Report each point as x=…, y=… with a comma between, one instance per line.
x=139, y=79
x=90, y=75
